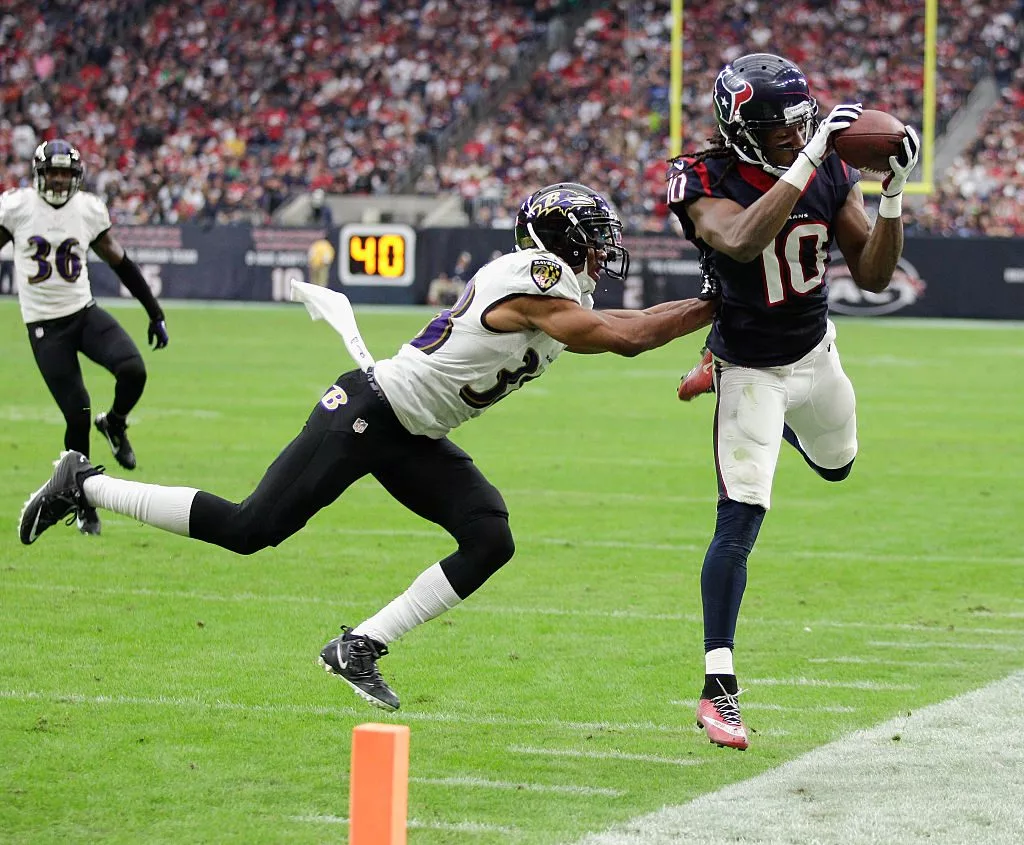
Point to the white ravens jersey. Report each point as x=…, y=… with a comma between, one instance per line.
x=456, y=367
x=51, y=246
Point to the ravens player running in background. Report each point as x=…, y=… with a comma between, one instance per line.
x=765, y=204
x=516, y=315
x=53, y=225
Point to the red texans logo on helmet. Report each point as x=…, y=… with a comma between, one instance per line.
x=731, y=93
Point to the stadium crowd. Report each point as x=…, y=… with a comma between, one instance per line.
x=983, y=192
x=617, y=71
x=219, y=111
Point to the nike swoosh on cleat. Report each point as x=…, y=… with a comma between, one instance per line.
x=342, y=664
x=722, y=726
x=33, y=534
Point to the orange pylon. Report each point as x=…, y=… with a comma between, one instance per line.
x=379, y=785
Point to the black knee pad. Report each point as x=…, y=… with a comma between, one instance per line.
x=247, y=540
x=132, y=371
x=485, y=545
x=494, y=540
x=239, y=528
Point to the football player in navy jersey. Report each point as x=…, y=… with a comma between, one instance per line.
x=764, y=204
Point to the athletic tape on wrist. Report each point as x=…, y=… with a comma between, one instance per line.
x=890, y=207
x=800, y=172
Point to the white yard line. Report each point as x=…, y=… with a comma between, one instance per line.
x=169, y=702
x=520, y=786
x=888, y=661
x=416, y=824
x=746, y=705
x=936, y=646
x=693, y=547
x=825, y=684
x=600, y=755
x=903, y=626
x=512, y=610
x=948, y=774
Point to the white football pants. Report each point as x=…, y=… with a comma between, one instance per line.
x=813, y=395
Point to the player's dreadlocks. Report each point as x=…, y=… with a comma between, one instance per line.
x=717, y=148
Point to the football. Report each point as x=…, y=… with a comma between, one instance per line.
x=870, y=140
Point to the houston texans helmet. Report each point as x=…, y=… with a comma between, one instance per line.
x=758, y=92
x=57, y=171
x=568, y=219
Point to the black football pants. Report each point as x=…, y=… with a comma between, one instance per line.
x=352, y=432
x=97, y=335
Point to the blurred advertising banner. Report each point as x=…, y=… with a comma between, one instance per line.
x=395, y=264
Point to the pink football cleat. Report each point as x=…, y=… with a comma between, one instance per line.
x=699, y=380
x=720, y=718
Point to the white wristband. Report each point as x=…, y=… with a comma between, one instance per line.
x=800, y=172
x=890, y=207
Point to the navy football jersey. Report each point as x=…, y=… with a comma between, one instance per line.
x=774, y=309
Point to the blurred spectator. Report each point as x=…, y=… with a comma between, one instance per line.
x=321, y=256
x=443, y=291
x=320, y=213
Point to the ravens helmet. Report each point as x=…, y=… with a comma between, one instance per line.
x=758, y=92
x=569, y=219
x=57, y=171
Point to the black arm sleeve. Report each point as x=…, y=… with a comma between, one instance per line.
x=128, y=272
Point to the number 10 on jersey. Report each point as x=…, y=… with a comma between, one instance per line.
x=377, y=254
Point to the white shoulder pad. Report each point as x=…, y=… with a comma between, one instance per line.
x=534, y=272
x=94, y=214
x=12, y=208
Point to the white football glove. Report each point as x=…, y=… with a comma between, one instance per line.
x=840, y=117
x=902, y=165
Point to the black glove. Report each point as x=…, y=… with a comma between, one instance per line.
x=157, y=333
x=710, y=285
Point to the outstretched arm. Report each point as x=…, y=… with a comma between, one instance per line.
x=110, y=250
x=629, y=313
x=583, y=330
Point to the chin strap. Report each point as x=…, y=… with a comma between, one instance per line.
x=587, y=284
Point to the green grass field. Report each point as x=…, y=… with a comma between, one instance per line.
x=159, y=690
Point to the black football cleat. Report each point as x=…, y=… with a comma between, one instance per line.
x=353, y=658
x=60, y=496
x=117, y=437
x=88, y=521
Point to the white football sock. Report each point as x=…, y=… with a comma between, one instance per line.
x=718, y=661
x=163, y=507
x=428, y=596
